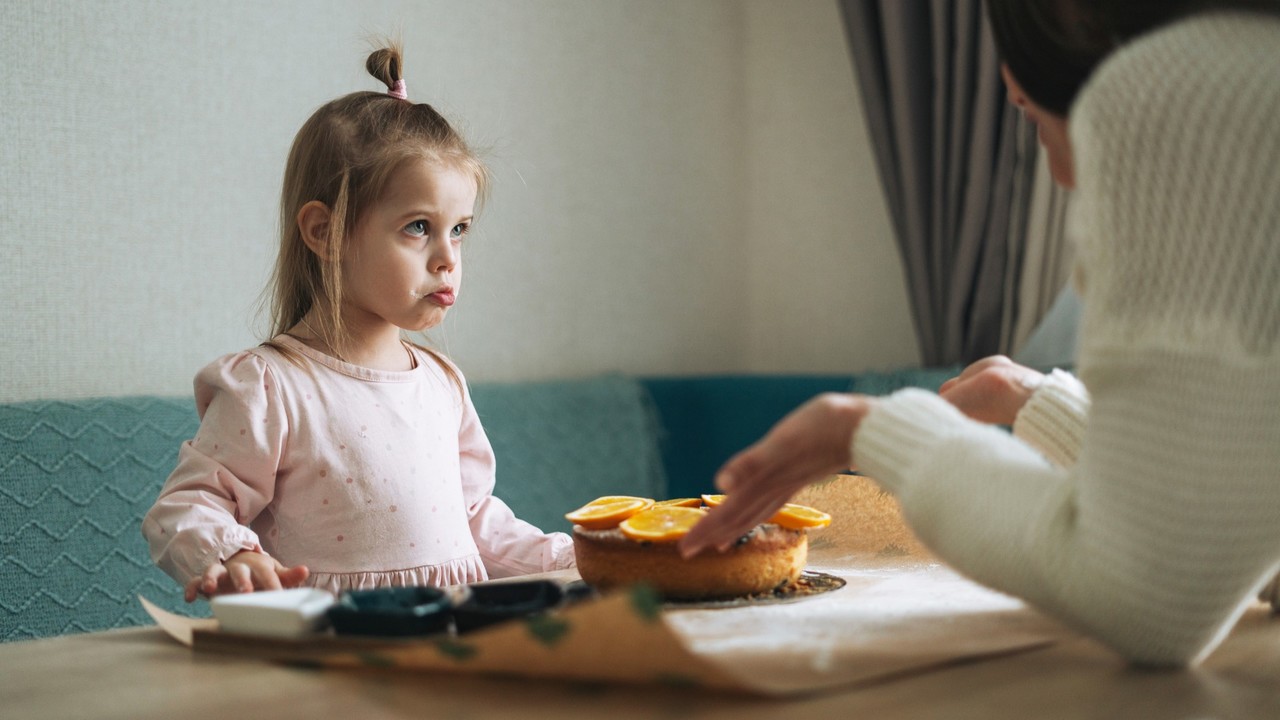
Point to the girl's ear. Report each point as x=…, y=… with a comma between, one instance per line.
x=313, y=224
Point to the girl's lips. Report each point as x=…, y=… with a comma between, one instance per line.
x=443, y=297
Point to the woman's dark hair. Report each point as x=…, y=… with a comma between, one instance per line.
x=1052, y=46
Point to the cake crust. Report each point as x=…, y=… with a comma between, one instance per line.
x=768, y=557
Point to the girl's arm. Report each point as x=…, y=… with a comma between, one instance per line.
x=508, y=545
x=225, y=476
x=246, y=571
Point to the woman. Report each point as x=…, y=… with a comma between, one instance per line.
x=1139, y=504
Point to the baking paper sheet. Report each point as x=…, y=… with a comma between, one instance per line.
x=900, y=613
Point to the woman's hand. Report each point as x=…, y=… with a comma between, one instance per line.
x=992, y=390
x=246, y=571
x=807, y=445
x=1271, y=594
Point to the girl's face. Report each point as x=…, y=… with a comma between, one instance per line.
x=1051, y=130
x=403, y=267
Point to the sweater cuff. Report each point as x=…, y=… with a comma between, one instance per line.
x=1054, y=418
x=898, y=432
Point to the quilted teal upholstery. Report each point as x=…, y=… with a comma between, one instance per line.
x=75, y=481
x=77, y=477
x=706, y=420
x=883, y=383
x=560, y=444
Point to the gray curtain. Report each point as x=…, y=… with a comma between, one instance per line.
x=957, y=164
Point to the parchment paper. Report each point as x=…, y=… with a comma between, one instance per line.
x=901, y=613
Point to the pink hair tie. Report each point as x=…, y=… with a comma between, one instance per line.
x=399, y=90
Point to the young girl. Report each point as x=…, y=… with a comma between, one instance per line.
x=337, y=454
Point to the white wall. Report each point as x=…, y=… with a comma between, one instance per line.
x=827, y=288
x=681, y=187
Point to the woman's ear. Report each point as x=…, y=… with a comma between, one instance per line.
x=1016, y=95
x=313, y=224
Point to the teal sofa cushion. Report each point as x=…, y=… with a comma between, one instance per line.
x=77, y=477
x=884, y=383
x=706, y=420
x=561, y=444
x=75, y=480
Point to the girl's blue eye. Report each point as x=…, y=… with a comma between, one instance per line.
x=417, y=227
x=459, y=230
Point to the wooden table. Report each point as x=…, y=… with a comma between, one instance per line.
x=141, y=673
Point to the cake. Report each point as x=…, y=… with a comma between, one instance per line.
x=612, y=551
x=767, y=558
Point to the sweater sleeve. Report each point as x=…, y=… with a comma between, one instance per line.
x=1152, y=542
x=225, y=476
x=1053, y=420
x=508, y=545
x=1164, y=527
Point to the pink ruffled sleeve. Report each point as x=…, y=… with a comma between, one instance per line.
x=508, y=545
x=225, y=476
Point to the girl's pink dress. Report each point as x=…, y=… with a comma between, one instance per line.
x=370, y=478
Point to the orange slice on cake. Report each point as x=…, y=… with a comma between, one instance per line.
x=680, y=502
x=790, y=516
x=800, y=517
x=661, y=524
x=606, y=512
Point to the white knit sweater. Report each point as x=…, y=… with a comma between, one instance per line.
x=1144, y=511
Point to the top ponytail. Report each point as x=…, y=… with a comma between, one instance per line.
x=385, y=64
x=343, y=156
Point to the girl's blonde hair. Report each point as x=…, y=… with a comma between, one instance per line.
x=344, y=156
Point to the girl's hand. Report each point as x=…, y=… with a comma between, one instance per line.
x=992, y=390
x=809, y=444
x=246, y=571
